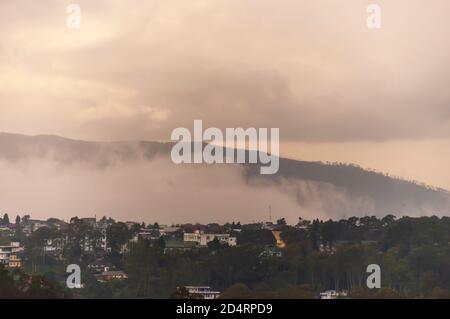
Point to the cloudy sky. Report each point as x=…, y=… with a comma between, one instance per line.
x=337, y=90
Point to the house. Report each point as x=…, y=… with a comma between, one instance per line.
x=27, y=230
x=36, y=224
x=87, y=244
x=103, y=223
x=99, y=266
x=10, y=255
x=111, y=275
x=103, y=241
x=333, y=294
x=16, y=247
x=7, y=231
x=204, y=291
x=327, y=249
x=202, y=239
x=271, y=252
x=5, y=252
x=57, y=223
x=149, y=234
x=98, y=241
x=268, y=226
x=14, y=261
x=190, y=228
x=168, y=230
x=54, y=247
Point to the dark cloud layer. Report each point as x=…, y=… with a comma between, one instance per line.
x=137, y=70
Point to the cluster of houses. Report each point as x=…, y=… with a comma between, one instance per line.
x=176, y=238
x=11, y=255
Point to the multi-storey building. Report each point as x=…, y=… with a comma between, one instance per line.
x=202, y=239
x=10, y=255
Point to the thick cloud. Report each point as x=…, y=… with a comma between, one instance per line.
x=138, y=69
x=158, y=190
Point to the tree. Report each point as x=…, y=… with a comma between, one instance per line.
x=428, y=280
x=293, y=235
x=34, y=246
x=117, y=235
x=161, y=242
x=42, y=288
x=183, y=293
x=135, y=228
x=26, y=219
x=8, y=289
x=215, y=245
x=329, y=232
x=20, y=285
x=303, y=223
x=17, y=220
x=315, y=234
x=5, y=219
x=281, y=222
x=259, y=236
x=387, y=220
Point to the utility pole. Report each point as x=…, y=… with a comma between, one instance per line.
x=270, y=214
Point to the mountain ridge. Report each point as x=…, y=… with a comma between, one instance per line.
x=388, y=194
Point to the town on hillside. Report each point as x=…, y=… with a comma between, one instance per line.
x=311, y=259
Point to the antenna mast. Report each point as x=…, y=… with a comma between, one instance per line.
x=270, y=213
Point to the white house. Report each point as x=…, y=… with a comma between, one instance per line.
x=203, y=239
x=333, y=294
x=204, y=291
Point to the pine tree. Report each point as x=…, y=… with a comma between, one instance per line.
x=6, y=219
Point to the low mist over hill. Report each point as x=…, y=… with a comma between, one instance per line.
x=53, y=176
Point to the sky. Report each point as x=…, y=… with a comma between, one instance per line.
x=337, y=90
